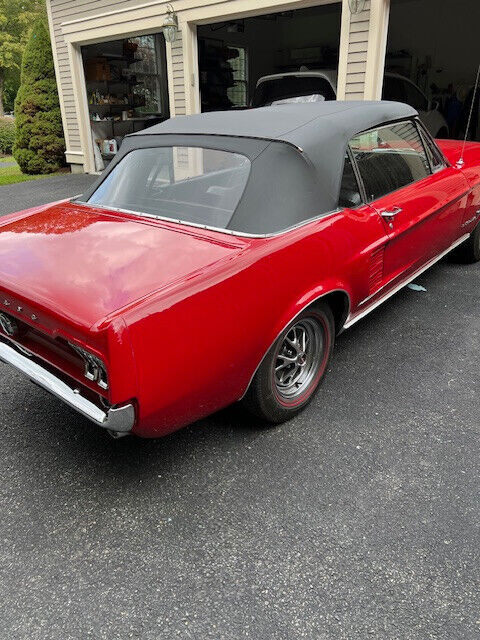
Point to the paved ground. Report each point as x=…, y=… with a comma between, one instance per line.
x=14, y=197
x=359, y=519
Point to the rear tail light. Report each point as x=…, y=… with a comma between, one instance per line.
x=95, y=370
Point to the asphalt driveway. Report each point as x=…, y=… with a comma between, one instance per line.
x=14, y=197
x=358, y=519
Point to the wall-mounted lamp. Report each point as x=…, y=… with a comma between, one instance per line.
x=170, y=24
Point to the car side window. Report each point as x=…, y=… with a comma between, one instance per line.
x=389, y=158
x=349, y=190
x=435, y=158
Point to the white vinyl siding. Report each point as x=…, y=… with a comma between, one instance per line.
x=357, y=54
x=178, y=79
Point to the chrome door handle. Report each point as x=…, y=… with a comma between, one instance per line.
x=391, y=213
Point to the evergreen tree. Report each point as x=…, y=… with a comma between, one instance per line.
x=16, y=17
x=39, y=143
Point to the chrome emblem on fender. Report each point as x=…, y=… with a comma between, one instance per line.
x=19, y=309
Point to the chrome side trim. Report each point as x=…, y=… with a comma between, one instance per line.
x=118, y=419
x=351, y=320
x=289, y=322
x=195, y=225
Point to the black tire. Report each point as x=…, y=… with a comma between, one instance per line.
x=469, y=251
x=278, y=392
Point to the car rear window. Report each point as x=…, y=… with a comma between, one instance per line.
x=281, y=89
x=189, y=184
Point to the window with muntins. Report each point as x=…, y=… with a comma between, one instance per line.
x=238, y=93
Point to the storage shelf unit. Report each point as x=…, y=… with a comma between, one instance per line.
x=129, y=76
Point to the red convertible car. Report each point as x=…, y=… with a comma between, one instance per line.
x=218, y=256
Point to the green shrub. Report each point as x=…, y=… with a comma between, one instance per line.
x=7, y=135
x=39, y=143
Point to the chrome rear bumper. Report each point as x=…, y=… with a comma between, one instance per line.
x=118, y=419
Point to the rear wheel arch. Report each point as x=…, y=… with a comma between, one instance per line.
x=339, y=302
x=294, y=367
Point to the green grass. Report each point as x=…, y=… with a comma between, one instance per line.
x=12, y=174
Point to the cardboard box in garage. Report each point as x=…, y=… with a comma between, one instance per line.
x=97, y=69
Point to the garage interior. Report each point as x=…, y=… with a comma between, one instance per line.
x=432, y=42
x=233, y=55
x=435, y=44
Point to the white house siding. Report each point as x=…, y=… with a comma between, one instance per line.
x=177, y=101
x=357, y=54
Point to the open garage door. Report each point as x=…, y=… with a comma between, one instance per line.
x=233, y=55
x=435, y=44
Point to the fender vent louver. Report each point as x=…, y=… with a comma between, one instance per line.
x=376, y=270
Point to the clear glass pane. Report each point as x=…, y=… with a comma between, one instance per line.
x=349, y=191
x=145, y=55
x=144, y=75
x=190, y=184
x=390, y=158
x=147, y=95
x=433, y=154
x=237, y=93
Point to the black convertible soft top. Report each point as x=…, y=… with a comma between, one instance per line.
x=297, y=153
x=301, y=124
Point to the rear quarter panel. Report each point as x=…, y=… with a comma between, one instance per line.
x=197, y=347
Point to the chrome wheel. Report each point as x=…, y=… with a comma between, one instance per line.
x=298, y=358
x=294, y=366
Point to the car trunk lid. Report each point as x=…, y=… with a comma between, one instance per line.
x=82, y=263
